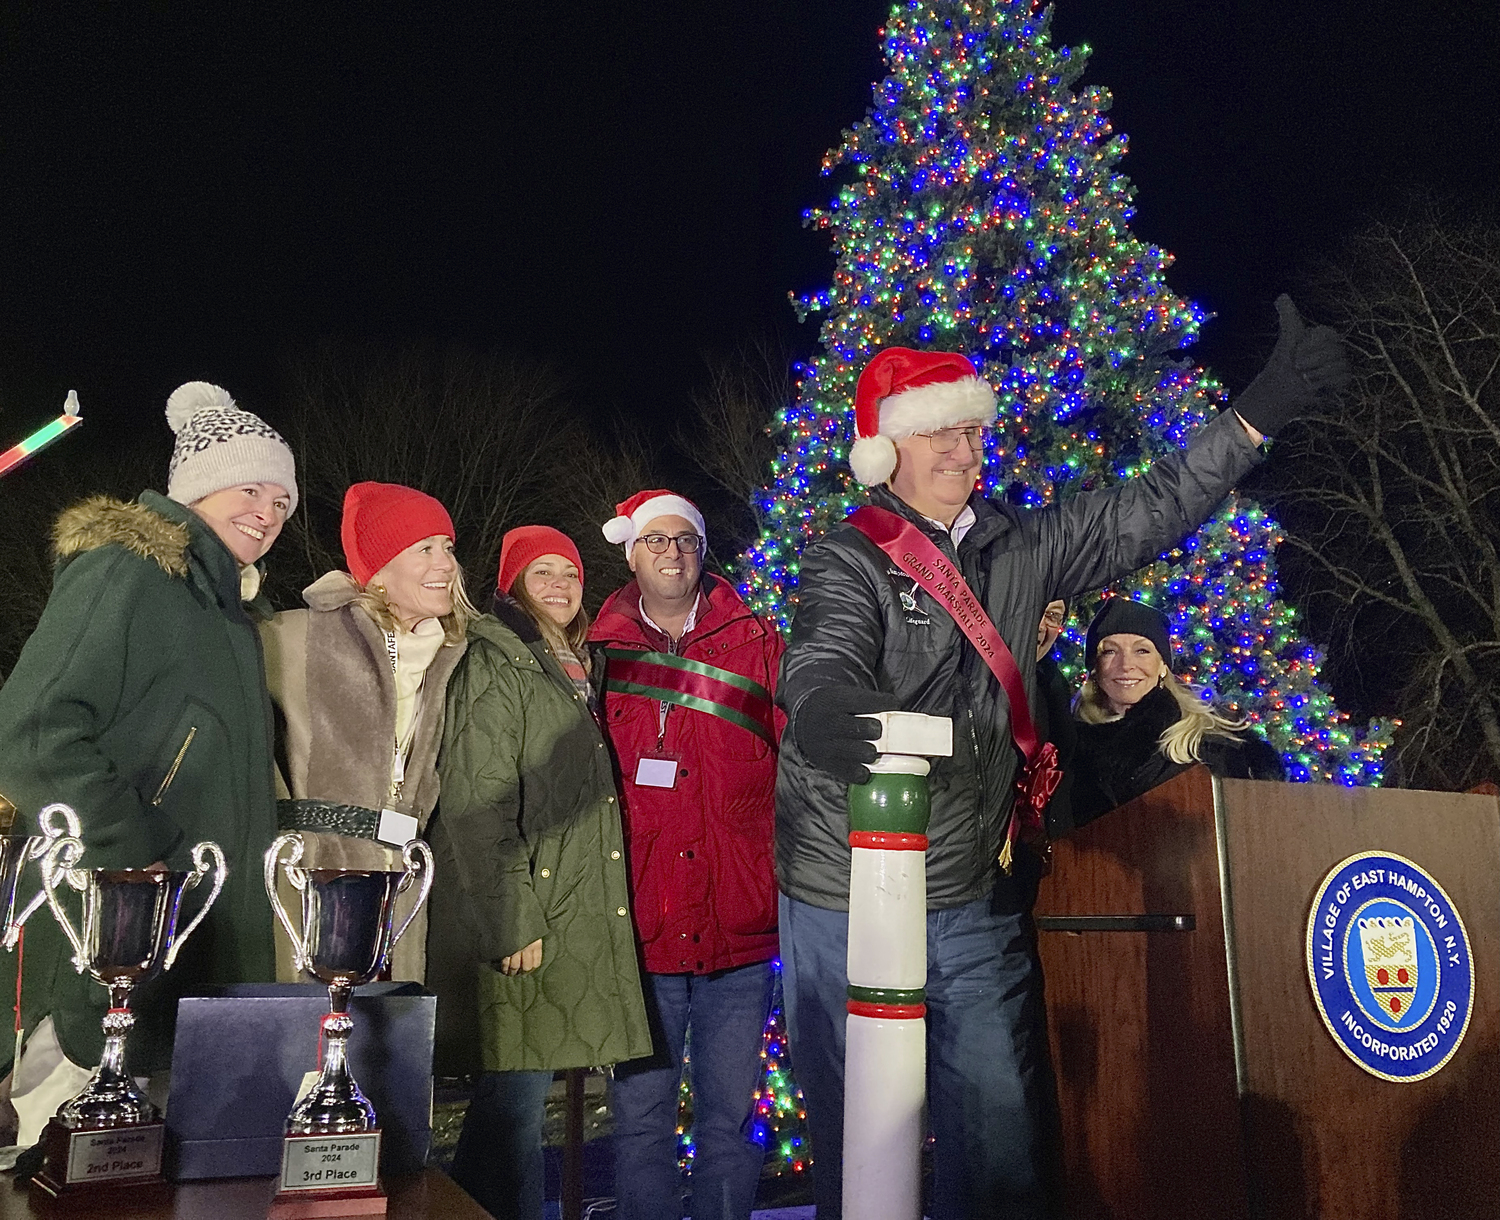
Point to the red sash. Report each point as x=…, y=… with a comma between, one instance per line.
x=695, y=684
x=916, y=555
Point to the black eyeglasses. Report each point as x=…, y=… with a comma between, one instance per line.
x=945, y=440
x=687, y=544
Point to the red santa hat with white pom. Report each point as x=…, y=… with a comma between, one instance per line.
x=902, y=392
x=632, y=515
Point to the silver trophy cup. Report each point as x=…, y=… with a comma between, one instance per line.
x=345, y=941
x=56, y=821
x=129, y=935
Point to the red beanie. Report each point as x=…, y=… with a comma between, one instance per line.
x=382, y=519
x=527, y=543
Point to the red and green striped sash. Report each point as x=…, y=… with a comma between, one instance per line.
x=704, y=688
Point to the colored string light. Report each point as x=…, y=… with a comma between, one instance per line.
x=778, y=1115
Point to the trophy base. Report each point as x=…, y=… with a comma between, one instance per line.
x=297, y=1206
x=329, y=1175
x=93, y=1165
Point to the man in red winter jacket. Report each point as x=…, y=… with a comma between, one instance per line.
x=688, y=703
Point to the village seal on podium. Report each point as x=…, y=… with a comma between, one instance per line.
x=1389, y=962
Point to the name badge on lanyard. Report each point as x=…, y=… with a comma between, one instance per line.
x=396, y=829
x=656, y=772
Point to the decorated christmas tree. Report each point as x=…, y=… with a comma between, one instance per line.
x=981, y=211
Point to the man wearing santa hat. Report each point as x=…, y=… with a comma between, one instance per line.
x=874, y=632
x=690, y=679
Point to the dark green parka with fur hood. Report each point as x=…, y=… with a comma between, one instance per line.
x=141, y=701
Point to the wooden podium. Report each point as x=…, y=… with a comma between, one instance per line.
x=1195, y=1075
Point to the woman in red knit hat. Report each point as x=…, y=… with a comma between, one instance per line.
x=542, y=573
x=532, y=952
x=358, y=680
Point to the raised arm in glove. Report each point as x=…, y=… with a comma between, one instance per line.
x=1306, y=363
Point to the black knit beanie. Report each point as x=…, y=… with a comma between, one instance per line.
x=1122, y=616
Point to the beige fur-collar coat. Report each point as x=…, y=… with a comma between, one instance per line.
x=329, y=674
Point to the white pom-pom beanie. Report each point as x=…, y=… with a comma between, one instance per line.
x=219, y=445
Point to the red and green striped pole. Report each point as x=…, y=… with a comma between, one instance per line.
x=885, y=1053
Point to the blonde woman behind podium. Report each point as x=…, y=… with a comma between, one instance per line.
x=1139, y=724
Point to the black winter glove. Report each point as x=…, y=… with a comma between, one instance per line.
x=834, y=730
x=1304, y=364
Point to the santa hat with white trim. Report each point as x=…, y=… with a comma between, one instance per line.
x=902, y=392
x=633, y=514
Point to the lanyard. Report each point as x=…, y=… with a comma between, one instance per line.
x=666, y=704
x=400, y=746
x=672, y=646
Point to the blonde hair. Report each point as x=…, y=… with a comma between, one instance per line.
x=1180, y=741
x=373, y=601
x=571, y=638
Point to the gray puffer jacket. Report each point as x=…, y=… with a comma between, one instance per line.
x=853, y=629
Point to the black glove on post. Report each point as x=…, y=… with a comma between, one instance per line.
x=1304, y=364
x=834, y=731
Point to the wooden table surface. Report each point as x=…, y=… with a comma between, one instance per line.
x=429, y=1195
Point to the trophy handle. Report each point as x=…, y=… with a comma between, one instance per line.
x=203, y=854
x=298, y=879
x=51, y=831
x=37, y=847
x=416, y=850
x=59, y=863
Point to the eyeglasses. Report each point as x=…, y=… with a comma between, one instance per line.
x=687, y=544
x=945, y=440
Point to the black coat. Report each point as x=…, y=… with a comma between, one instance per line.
x=1117, y=761
x=860, y=623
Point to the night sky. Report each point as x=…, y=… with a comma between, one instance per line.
x=189, y=190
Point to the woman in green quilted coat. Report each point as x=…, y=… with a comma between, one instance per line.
x=530, y=946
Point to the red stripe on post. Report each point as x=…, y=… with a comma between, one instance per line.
x=886, y=1012
x=886, y=840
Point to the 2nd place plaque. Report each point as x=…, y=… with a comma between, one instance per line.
x=110, y=1155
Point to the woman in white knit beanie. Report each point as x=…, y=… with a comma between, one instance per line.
x=140, y=700
x=232, y=469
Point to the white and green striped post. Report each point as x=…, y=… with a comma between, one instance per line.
x=885, y=1053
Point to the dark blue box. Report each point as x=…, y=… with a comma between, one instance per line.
x=240, y=1055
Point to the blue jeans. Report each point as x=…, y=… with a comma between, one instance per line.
x=499, y=1156
x=990, y=1097
x=726, y=1013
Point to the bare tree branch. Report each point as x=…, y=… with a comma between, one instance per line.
x=1392, y=493
x=485, y=433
